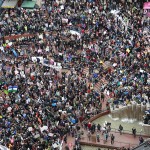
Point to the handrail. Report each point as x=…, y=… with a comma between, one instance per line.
x=128, y=131
x=108, y=143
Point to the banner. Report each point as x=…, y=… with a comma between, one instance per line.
x=57, y=66
x=146, y=8
x=54, y=67
x=38, y=59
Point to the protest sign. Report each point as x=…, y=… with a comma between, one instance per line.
x=38, y=59
x=146, y=8
x=64, y=20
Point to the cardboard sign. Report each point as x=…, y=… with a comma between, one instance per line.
x=146, y=8
x=64, y=20
x=36, y=59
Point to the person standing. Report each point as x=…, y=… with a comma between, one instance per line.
x=89, y=135
x=141, y=140
x=112, y=139
x=105, y=137
x=98, y=137
x=65, y=139
x=120, y=129
x=134, y=132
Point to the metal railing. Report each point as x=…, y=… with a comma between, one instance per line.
x=104, y=143
x=128, y=132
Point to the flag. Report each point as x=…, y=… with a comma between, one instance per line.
x=10, y=88
x=15, y=88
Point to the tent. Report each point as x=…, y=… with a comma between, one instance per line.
x=28, y=4
x=9, y=4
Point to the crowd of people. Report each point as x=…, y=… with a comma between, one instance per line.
x=44, y=89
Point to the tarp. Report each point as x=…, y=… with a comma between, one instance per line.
x=9, y=4
x=28, y=4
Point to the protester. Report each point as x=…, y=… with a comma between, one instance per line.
x=49, y=75
x=120, y=129
x=134, y=132
x=141, y=140
x=112, y=139
x=98, y=137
